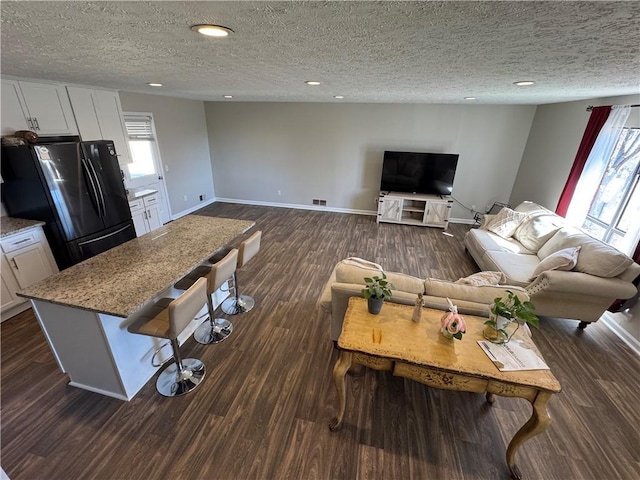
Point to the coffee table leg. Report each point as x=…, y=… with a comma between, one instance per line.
x=339, y=371
x=537, y=424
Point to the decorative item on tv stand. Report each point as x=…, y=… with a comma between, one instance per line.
x=377, y=289
x=504, y=313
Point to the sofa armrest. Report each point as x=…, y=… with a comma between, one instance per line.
x=582, y=284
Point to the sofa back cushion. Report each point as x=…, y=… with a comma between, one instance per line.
x=536, y=230
x=480, y=294
x=347, y=272
x=506, y=222
x=595, y=258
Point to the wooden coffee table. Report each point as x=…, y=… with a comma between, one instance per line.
x=418, y=351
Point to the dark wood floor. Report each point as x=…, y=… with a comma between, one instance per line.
x=262, y=411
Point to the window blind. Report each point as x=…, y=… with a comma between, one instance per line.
x=139, y=127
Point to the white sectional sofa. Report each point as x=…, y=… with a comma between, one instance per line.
x=566, y=272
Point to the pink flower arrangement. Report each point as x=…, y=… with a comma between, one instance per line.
x=452, y=324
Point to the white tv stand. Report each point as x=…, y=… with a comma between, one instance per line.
x=414, y=209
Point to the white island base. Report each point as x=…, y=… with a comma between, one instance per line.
x=98, y=353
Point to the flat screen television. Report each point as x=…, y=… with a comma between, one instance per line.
x=413, y=172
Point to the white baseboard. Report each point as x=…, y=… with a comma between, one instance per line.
x=624, y=335
x=319, y=208
x=193, y=209
x=296, y=206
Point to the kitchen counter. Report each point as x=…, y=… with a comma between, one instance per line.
x=85, y=310
x=124, y=279
x=135, y=194
x=11, y=225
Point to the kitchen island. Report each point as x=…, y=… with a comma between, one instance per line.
x=84, y=311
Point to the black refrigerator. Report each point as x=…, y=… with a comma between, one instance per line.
x=76, y=188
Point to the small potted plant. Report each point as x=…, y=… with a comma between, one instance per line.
x=377, y=289
x=503, y=312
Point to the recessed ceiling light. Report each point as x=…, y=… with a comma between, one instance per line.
x=228, y=96
x=338, y=96
x=154, y=84
x=212, y=30
x=312, y=82
x=469, y=98
x=524, y=83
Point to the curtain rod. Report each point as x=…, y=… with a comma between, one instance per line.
x=590, y=107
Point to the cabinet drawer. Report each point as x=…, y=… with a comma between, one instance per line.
x=14, y=242
x=136, y=204
x=150, y=200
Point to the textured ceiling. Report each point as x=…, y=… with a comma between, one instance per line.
x=374, y=52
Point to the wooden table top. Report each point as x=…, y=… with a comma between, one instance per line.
x=422, y=343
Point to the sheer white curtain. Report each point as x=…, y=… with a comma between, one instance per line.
x=596, y=164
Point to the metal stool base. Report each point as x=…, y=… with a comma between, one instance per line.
x=244, y=304
x=172, y=383
x=208, y=333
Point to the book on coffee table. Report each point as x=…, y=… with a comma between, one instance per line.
x=512, y=356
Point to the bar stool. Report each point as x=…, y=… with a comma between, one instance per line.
x=242, y=303
x=214, y=330
x=167, y=318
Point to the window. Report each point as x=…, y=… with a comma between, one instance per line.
x=615, y=209
x=142, y=143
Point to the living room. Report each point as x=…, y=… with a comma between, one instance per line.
x=249, y=158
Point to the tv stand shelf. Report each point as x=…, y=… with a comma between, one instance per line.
x=414, y=209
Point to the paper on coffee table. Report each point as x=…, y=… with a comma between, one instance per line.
x=512, y=356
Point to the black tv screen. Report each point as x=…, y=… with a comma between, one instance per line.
x=413, y=172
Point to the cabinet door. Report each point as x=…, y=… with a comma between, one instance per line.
x=9, y=285
x=84, y=105
x=139, y=222
x=390, y=209
x=153, y=218
x=49, y=108
x=112, y=123
x=14, y=115
x=29, y=265
x=436, y=213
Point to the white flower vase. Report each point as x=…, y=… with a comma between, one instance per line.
x=496, y=334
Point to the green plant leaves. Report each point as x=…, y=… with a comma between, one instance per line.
x=377, y=287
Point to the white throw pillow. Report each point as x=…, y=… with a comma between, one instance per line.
x=506, y=222
x=564, y=259
x=482, y=278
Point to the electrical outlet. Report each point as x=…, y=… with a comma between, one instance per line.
x=473, y=208
x=279, y=193
x=186, y=198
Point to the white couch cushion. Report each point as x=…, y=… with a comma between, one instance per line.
x=480, y=294
x=347, y=272
x=564, y=259
x=517, y=268
x=536, y=230
x=596, y=257
x=483, y=240
x=506, y=222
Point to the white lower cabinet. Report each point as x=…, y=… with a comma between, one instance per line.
x=26, y=259
x=145, y=214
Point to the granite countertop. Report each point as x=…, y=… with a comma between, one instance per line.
x=136, y=194
x=10, y=225
x=124, y=279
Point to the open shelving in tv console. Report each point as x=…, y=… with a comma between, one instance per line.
x=414, y=209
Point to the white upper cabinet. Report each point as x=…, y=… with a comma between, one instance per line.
x=41, y=107
x=99, y=117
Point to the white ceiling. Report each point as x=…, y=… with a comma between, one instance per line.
x=373, y=52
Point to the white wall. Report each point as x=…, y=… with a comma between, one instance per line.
x=334, y=152
x=183, y=143
x=552, y=146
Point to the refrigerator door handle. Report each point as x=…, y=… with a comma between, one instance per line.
x=95, y=176
x=93, y=186
x=104, y=236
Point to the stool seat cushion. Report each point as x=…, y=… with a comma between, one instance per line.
x=154, y=322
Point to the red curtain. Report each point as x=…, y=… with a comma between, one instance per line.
x=598, y=116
